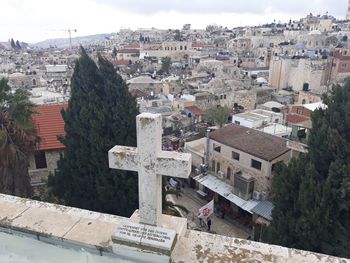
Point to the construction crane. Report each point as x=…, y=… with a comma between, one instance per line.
x=69, y=33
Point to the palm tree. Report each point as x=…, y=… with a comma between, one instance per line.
x=169, y=207
x=18, y=140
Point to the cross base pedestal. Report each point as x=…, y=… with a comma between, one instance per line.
x=149, y=243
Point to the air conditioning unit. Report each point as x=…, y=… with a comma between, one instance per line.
x=256, y=195
x=221, y=174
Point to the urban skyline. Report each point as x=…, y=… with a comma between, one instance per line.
x=33, y=21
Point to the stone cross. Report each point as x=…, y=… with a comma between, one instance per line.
x=151, y=163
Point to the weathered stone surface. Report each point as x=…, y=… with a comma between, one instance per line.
x=146, y=237
x=74, y=225
x=90, y=229
x=150, y=162
x=204, y=247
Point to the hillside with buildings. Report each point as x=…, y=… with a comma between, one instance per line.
x=272, y=85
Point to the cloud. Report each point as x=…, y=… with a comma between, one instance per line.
x=35, y=20
x=337, y=7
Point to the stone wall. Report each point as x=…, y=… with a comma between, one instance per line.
x=262, y=177
x=40, y=175
x=246, y=98
x=283, y=72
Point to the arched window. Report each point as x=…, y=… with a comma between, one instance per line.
x=180, y=47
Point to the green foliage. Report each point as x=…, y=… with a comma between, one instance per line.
x=101, y=114
x=18, y=45
x=18, y=140
x=218, y=115
x=311, y=195
x=166, y=63
x=13, y=44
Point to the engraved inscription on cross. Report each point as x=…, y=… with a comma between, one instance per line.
x=151, y=163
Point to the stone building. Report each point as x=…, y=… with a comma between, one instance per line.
x=24, y=81
x=132, y=55
x=257, y=118
x=236, y=151
x=341, y=64
x=146, y=84
x=32, y=231
x=312, y=74
x=50, y=125
x=308, y=97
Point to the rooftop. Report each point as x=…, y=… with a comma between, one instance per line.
x=259, y=144
x=50, y=124
x=32, y=231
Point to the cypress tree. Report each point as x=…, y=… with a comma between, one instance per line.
x=13, y=44
x=18, y=45
x=101, y=113
x=311, y=195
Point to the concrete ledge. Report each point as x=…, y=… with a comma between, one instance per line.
x=76, y=226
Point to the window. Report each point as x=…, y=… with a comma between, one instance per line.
x=229, y=173
x=256, y=164
x=235, y=155
x=217, y=148
x=40, y=160
x=225, y=97
x=299, y=111
x=344, y=65
x=217, y=167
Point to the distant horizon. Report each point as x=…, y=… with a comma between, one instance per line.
x=35, y=21
x=76, y=35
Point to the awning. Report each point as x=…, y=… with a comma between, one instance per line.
x=262, y=221
x=226, y=191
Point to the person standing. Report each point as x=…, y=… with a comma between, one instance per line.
x=209, y=224
x=200, y=220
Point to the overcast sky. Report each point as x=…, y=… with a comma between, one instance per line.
x=35, y=20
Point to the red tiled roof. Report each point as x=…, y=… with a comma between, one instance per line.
x=296, y=118
x=132, y=46
x=197, y=45
x=137, y=93
x=197, y=111
x=50, y=124
x=126, y=51
x=120, y=62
